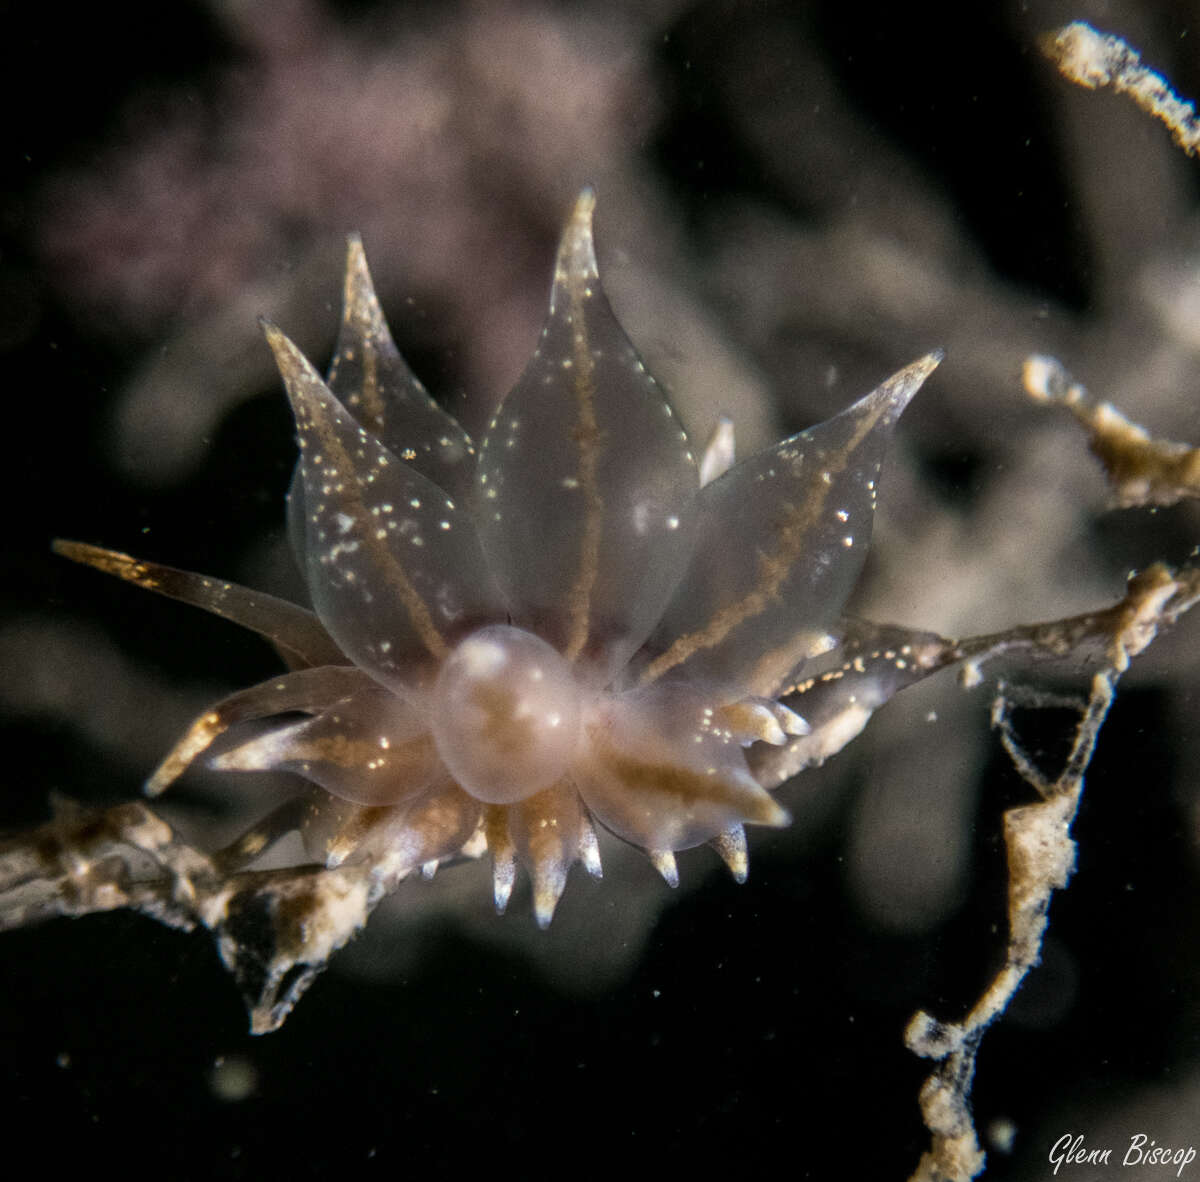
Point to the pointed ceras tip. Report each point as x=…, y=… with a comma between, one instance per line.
x=288, y=359
x=199, y=736
x=108, y=561
x=546, y=893
x=585, y=203
x=899, y=390
x=339, y=849
x=159, y=782
x=664, y=862
x=286, y=353
x=504, y=875
x=791, y=722
x=589, y=849
x=770, y=812
x=731, y=846
x=300, y=379
x=576, y=262
x=359, y=301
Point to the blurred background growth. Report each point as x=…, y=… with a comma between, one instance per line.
x=794, y=200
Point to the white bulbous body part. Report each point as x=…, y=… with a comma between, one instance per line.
x=505, y=714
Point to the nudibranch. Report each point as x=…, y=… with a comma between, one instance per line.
x=576, y=621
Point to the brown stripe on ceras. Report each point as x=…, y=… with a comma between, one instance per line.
x=551, y=819
x=773, y=568
x=292, y=692
x=322, y=425
x=359, y=825
x=688, y=785
x=588, y=438
x=495, y=827
x=366, y=755
x=438, y=823
x=369, y=394
x=111, y=562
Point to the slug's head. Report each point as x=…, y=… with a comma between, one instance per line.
x=506, y=713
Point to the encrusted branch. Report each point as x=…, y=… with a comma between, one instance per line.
x=877, y=661
x=1041, y=857
x=1142, y=470
x=275, y=929
x=1094, y=60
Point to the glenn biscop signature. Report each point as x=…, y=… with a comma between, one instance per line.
x=1071, y=1150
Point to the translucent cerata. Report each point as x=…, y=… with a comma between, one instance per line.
x=577, y=621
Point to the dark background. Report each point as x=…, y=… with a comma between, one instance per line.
x=166, y=167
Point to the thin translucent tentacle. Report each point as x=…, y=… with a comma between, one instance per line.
x=294, y=631
x=307, y=691
x=372, y=748
x=289, y=817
